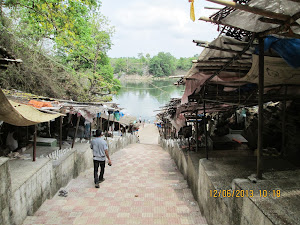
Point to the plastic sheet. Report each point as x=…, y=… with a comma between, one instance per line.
x=288, y=49
x=249, y=21
x=277, y=72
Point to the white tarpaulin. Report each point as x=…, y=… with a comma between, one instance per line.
x=277, y=71
x=250, y=22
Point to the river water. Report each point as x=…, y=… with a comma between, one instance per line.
x=140, y=98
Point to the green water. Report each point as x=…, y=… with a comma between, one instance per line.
x=140, y=99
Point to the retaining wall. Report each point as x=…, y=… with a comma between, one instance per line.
x=5, y=192
x=202, y=177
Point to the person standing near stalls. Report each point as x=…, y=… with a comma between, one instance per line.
x=100, y=150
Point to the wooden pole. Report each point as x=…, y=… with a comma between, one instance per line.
x=251, y=9
x=205, y=128
x=90, y=138
x=283, y=148
x=76, y=130
x=107, y=126
x=34, y=143
x=197, y=134
x=101, y=125
x=260, y=108
x=60, y=132
x=165, y=130
x=113, y=129
x=27, y=136
x=97, y=122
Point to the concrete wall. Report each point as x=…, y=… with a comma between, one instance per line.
x=47, y=180
x=202, y=176
x=214, y=209
x=5, y=192
x=30, y=195
x=179, y=156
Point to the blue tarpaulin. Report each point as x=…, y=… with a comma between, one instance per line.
x=288, y=49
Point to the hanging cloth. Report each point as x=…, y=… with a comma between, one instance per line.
x=192, y=11
x=117, y=116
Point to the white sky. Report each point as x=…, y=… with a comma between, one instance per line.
x=152, y=26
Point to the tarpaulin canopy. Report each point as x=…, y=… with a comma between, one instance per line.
x=124, y=120
x=22, y=115
x=277, y=72
x=287, y=48
x=251, y=22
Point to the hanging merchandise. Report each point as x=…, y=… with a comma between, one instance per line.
x=117, y=115
x=99, y=115
x=122, y=114
x=192, y=11
x=110, y=112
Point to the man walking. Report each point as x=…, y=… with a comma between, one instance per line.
x=100, y=150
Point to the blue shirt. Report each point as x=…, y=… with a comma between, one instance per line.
x=99, y=146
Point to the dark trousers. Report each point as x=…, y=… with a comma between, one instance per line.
x=96, y=166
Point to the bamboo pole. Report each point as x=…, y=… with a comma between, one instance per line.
x=34, y=144
x=284, y=27
x=214, y=8
x=260, y=108
x=210, y=20
x=223, y=49
x=76, y=130
x=251, y=9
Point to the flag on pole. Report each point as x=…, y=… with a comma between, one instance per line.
x=192, y=13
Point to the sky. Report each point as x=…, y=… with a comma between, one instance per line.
x=152, y=26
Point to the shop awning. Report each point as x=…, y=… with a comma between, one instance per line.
x=20, y=114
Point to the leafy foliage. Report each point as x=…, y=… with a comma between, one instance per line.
x=163, y=64
x=78, y=34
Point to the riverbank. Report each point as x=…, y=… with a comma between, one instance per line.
x=136, y=77
x=147, y=78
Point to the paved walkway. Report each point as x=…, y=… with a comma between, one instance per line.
x=142, y=186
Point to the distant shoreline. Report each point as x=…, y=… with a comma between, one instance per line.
x=138, y=78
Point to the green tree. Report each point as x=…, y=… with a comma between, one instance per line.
x=59, y=20
x=120, y=65
x=164, y=64
x=80, y=34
